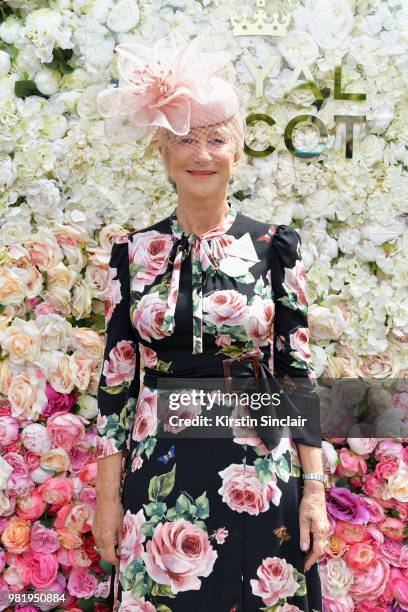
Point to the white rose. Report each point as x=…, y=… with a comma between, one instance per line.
x=379, y=233
x=336, y=578
x=330, y=457
x=44, y=198
x=26, y=394
x=319, y=358
x=35, y=438
x=38, y=475
x=397, y=486
x=88, y=406
x=5, y=471
x=362, y=446
x=22, y=341
x=48, y=81
x=11, y=31
x=346, y=393
x=5, y=64
x=55, y=332
x=329, y=23
x=8, y=171
x=298, y=45
x=124, y=16
x=348, y=239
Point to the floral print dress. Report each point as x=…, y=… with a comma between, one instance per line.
x=210, y=524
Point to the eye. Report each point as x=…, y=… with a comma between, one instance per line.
x=186, y=140
x=218, y=141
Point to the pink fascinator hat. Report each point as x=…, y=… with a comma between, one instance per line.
x=171, y=85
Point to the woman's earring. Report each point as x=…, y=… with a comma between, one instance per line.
x=231, y=179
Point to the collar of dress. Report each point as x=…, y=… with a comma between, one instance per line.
x=204, y=257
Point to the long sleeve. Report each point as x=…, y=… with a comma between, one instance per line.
x=120, y=381
x=292, y=357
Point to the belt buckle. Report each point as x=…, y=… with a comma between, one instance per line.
x=227, y=363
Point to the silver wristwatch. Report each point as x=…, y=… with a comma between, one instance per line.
x=316, y=476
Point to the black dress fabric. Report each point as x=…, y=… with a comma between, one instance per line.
x=211, y=524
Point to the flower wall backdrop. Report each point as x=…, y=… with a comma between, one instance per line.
x=66, y=195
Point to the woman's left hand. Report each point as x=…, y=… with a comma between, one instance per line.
x=313, y=520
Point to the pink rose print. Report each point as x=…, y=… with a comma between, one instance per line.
x=105, y=447
x=121, y=364
x=148, y=252
x=295, y=279
x=260, y=320
x=128, y=604
x=299, y=342
x=178, y=555
x=220, y=535
x=228, y=307
x=242, y=490
x=146, y=415
x=112, y=296
x=148, y=355
x=132, y=538
x=275, y=580
x=149, y=315
x=288, y=608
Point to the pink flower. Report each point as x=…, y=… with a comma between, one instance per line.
x=17, y=574
x=81, y=584
x=388, y=449
x=132, y=538
x=149, y=316
x=120, y=367
x=178, y=554
x=242, y=490
x=393, y=528
x=220, y=535
x=299, y=342
x=295, y=279
x=360, y=556
x=31, y=507
x=259, y=321
x=386, y=468
x=57, y=402
x=57, y=491
x=350, y=464
x=65, y=429
x=128, y=604
x=112, y=296
x=373, y=485
x=339, y=604
x=223, y=340
x=275, y=580
x=148, y=355
x=227, y=307
x=137, y=463
x=145, y=421
x=288, y=608
x=399, y=587
x=148, y=256
x=8, y=430
x=371, y=583
x=43, y=568
x=43, y=540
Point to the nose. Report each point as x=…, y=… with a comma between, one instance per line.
x=202, y=153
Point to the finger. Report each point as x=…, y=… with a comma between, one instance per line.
x=304, y=526
x=108, y=554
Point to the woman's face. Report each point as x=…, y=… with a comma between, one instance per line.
x=201, y=162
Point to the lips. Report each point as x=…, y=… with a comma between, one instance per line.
x=200, y=172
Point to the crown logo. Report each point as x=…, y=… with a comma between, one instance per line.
x=257, y=26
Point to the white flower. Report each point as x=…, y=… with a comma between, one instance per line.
x=88, y=406
x=124, y=16
x=330, y=23
x=48, y=81
x=379, y=234
x=45, y=30
x=8, y=171
x=5, y=63
x=298, y=45
x=44, y=199
x=5, y=472
x=11, y=31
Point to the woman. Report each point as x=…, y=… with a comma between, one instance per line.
x=204, y=524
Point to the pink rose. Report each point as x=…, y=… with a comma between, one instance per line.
x=17, y=574
x=339, y=604
x=227, y=307
x=299, y=342
x=371, y=583
x=288, y=608
x=57, y=402
x=350, y=533
x=145, y=421
x=65, y=429
x=148, y=355
x=242, y=490
x=19, y=482
x=43, y=568
x=391, y=551
x=350, y=464
x=399, y=587
x=112, y=295
x=223, y=340
x=259, y=321
x=220, y=534
x=129, y=604
x=393, y=528
x=81, y=584
x=8, y=430
x=57, y=491
x=148, y=255
x=275, y=580
x=295, y=280
x=360, y=556
x=376, y=512
x=120, y=367
x=149, y=315
x=388, y=449
x=386, y=468
x=178, y=554
x=373, y=485
x=137, y=463
x=31, y=507
x=132, y=538
x=43, y=540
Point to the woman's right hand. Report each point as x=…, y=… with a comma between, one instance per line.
x=107, y=528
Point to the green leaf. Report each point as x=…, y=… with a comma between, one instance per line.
x=264, y=469
x=171, y=514
x=163, y=608
x=184, y=505
x=155, y=508
x=202, y=504
x=301, y=580
x=60, y=59
x=148, y=527
x=161, y=486
x=281, y=468
x=163, y=590
x=26, y=88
